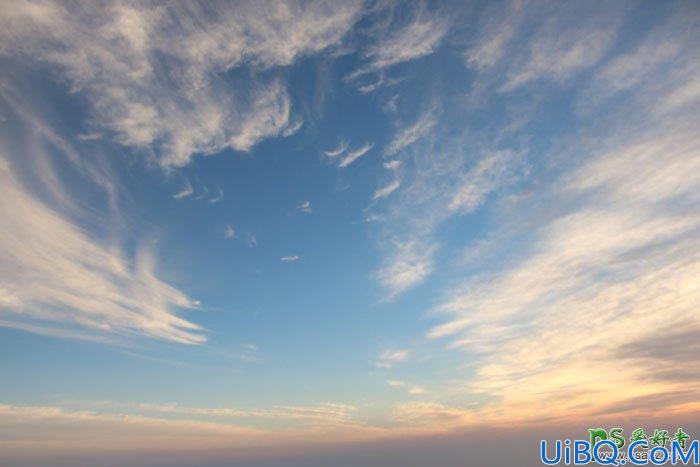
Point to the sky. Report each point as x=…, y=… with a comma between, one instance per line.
x=278, y=233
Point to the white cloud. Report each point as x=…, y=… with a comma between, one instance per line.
x=444, y=173
x=229, y=232
x=411, y=389
x=686, y=95
x=518, y=43
x=391, y=105
x=407, y=265
x=249, y=353
x=390, y=357
x=352, y=156
x=338, y=150
x=305, y=207
x=155, y=75
x=392, y=165
x=290, y=259
x=432, y=414
x=89, y=136
x=489, y=173
x=560, y=49
x=108, y=426
x=267, y=116
x=443, y=176
x=371, y=87
x=409, y=135
x=325, y=412
x=185, y=192
x=386, y=190
x=440, y=183
x=58, y=279
x=39, y=425
x=589, y=267
x=251, y=240
x=667, y=54
x=499, y=26
x=611, y=265
x=203, y=192
x=218, y=196
x=417, y=391
x=420, y=37
x=452, y=170
x=293, y=128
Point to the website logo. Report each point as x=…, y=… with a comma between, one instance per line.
x=612, y=447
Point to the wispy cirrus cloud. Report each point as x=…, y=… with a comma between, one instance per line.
x=293, y=128
x=108, y=426
x=611, y=247
x=513, y=47
x=613, y=257
x=71, y=284
x=420, y=36
x=417, y=39
x=390, y=357
x=305, y=207
x=218, y=195
x=406, y=136
x=550, y=194
x=251, y=240
x=229, y=232
x=371, y=87
x=339, y=149
x=185, y=192
x=472, y=167
x=488, y=174
x=249, y=353
x=386, y=190
x=352, y=156
x=440, y=183
x=407, y=265
x=181, y=105
x=661, y=57
x=199, y=191
x=410, y=389
x=392, y=165
x=326, y=413
x=552, y=58
x=433, y=414
x=499, y=25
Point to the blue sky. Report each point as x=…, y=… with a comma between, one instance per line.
x=349, y=221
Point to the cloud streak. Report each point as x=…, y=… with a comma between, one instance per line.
x=419, y=37
x=58, y=279
x=352, y=156
x=409, y=135
x=410, y=389
x=155, y=76
x=409, y=264
x=305, y=207
x=390, y=357
x=338, y=150
x=218, y=196
x=185, y=192
x=608, y=267
x=386, y=190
